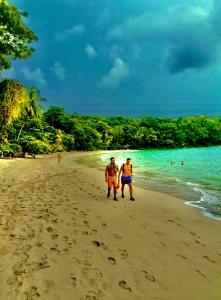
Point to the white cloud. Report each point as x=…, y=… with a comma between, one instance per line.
x=58, y=70
x=177, y=20
x=36, y=76
x=77, y=30
x=117, y=74
x=90, y=51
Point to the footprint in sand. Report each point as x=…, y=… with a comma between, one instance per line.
x=117, y=236
x=65, y=238
x=158, y=233
x=194, y=234
x=200, y=273
x=48, y=285
x=183, y=257
x=112, y=260
x=85, y=233
x=209, y=259
x=99, y=244
x=145, y=225
x=163, y=244
x=124, y=285
x=74, y=279
x=86, y=223
x=32, y=293
x=49, y=229
x=104, y=225
x=55, y=249
x=132, y=216
x=91, y=295
x=123, y=253
x=198, y=242
x=149, y=276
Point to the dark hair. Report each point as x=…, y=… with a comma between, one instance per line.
x=112, y=158
x=128, y=158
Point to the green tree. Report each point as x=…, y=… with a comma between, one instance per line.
x=106, y=133
x=15, y=36
x=59, y=119
x=32, y=107
x=58, y=140
x=12, y=96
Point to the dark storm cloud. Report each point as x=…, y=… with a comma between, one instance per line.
x=189, y=32
x=97, y=56
x=190, y=56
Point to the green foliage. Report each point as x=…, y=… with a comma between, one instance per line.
x=15, y=36
x=58, y=140
x=31, y=131
x=12, y=97
x=68, y=142
x=33, y=107
x=11, y=148
x=32, y=145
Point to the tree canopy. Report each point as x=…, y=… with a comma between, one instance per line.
x=15, y=36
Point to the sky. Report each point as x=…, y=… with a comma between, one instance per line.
x=130, y=57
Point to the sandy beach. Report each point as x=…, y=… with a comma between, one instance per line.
x=62, y=239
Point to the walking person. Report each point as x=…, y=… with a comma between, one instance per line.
x=127, y=174
x=59, y=157
x=111, y=171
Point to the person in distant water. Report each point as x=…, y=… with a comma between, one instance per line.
x=182, y=163
x=127, y=174
x=111, y=171
x=59, y=157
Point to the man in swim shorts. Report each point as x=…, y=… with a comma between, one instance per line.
x=127, y=174
x=111, y=177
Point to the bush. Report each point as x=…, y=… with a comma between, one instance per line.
x=37, y=147
x=68, y=142
x=14, y=149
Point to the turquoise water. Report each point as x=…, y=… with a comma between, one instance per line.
x=197, y=180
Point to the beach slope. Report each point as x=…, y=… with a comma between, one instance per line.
x=62, y=239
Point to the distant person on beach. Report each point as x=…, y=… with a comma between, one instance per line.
x=127, y=174
x=111, y=171
x=59, y=157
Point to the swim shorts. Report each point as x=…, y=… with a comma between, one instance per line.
x=126, y=179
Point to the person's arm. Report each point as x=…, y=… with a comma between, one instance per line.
x=106, y=173
x=119, y=173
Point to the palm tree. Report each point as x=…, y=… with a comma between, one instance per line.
x=12, y=98
x=33, y=107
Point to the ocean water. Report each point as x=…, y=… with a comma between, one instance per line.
x=193, y=174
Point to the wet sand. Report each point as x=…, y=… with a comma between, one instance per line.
x=62, y=239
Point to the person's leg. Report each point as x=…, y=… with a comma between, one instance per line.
x=131, y=192
x=122, y=190
x=115, y=193
x=108, y=192
x=115, y=188
x=109, y=187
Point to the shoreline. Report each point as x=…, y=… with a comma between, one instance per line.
x=187, y=202
x=60, y=236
